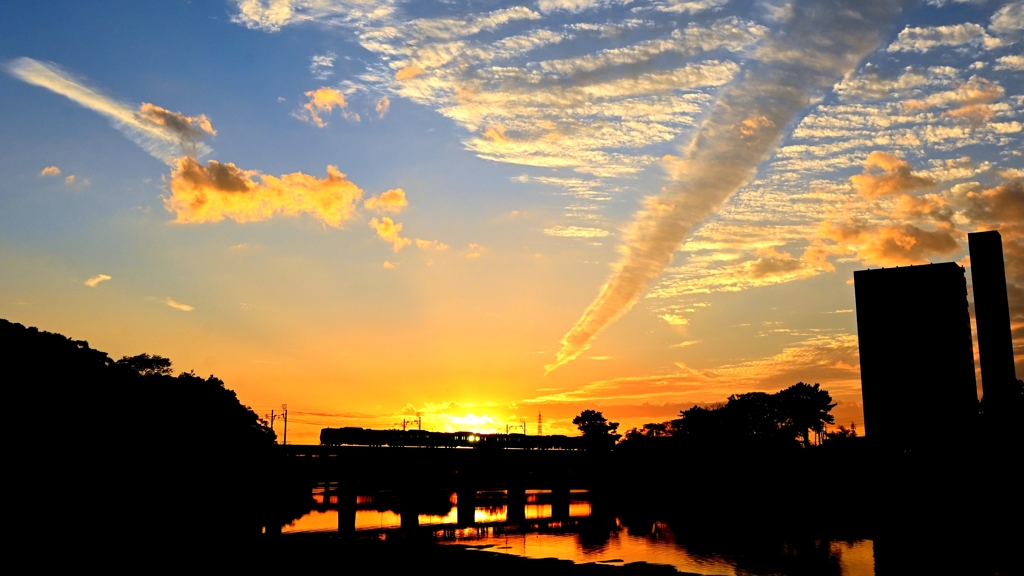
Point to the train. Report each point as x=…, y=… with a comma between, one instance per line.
x=352, y=436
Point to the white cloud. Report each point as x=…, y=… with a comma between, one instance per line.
x=271, y=15
x=1010, y=62
x=688, y=6
x=1008, y=19
x=926, y=38
x=321, y=66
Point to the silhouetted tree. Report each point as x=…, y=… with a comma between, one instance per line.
x=753, y=418
x=804, y=408
x=146, y=365
x=596, y=429
x=140, y=447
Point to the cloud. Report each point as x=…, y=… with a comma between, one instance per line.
x=1010, y=62
x=178, y=305
x=431, y=245
x=321, y=66
x=390, y=201
x=95, y=280
x=689, y=6
x=160, y=133
x=926, y=38
x=190, y=131
x=217, y=191
x=891, y=245
x=50, y=171
x=389, y=265
x=576, y=232
x=567, y=5
x=408, y=73
x=390, y=231
x=271, y=15
x=826, y=359
x=820, y=44
x=997, y=205
x=383, y=105
x=885, y=174
x=323, y=101
x=1008, y=19
x=71, y=180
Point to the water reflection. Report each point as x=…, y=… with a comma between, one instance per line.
x=578, y=526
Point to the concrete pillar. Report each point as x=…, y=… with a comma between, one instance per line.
x=560, y=503
x=516, y=504
x=407, y=509
x=346, y=509
x=466, y=507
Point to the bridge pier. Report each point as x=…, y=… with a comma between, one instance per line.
x=465, y=506
x=516, y=505
x=346, y=503
x=560, y=503
x=408, y=510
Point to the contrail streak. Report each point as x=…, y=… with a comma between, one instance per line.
x=164, y=140
x=819, y=43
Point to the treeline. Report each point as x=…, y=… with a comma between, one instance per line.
x=797, y=416
x=126, y=447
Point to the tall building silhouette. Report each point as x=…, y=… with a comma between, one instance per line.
x=992, y=312
x=916, y=353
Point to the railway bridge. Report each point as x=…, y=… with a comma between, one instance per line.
x=410, y=476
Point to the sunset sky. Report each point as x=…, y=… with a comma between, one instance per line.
x=478, y=211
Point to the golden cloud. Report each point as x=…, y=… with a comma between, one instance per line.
x=892, y=245
x=390, y=201
x=885, y=174
x=50, y=171
x=217, y=191
x=389, y=265
x=408, y=73
x=576, y=232
x=323, y=101
x=431, y=245
x=390, y=231
x=178, y=305
x=1002, y=204
x=95, y=280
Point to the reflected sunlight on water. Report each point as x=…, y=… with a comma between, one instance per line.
x=373, y=519
x=314, y=522
x=430, y=520
x=611, y=544
x=486, y=514
x=619, y=546
x=856, y=559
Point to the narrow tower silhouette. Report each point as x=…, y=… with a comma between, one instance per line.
x=540, y=425
x=992, y=313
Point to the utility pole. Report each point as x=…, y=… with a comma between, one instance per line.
x=419, y=421
x=285, y=408
x=524, y=426
x=540, y=425
x=271, y=418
